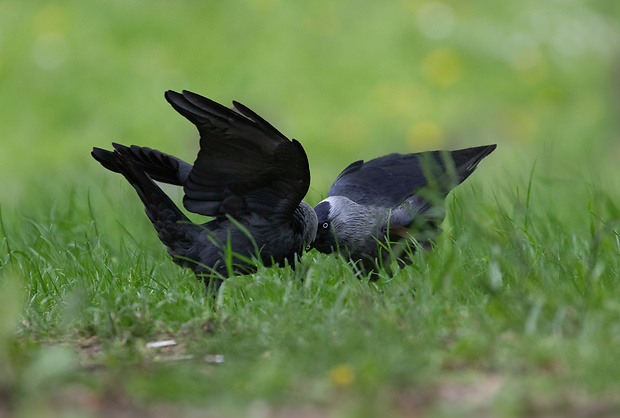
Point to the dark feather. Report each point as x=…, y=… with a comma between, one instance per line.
x=245, y=166
x=387, y=181
x=158, y=165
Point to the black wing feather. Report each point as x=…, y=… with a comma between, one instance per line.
x=245, y=166
x=387, y=181
x=158, y=165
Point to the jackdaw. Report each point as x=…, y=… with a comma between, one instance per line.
x=394, y=199
x=252, y=180
x=247, y=175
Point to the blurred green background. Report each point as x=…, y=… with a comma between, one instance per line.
x=349, y=79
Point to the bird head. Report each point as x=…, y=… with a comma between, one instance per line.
x=326, y=238
x=307, y=222
x=343, y=225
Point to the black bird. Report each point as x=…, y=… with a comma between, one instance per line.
x=252, y=180
x=247, y=175
x=386, y=201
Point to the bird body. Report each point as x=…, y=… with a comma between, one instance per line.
x=248, y=176
x=388, y=200
x=251, y=180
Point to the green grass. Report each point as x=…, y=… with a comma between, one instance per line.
x=516, y=312
x=514, y=303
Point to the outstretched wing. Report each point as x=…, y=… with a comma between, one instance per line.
x=389, y=180
x=245, y=166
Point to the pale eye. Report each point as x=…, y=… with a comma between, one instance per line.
x=325, y=225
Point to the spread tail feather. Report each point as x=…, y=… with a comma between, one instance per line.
x=158, y=166
x=171, y=224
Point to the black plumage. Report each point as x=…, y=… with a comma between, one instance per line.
x=388, y=180
x=373, y=205
x=251, y=180
x=247, y=175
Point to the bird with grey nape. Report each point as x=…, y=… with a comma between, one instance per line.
x=391, y=204
x=251, y=179
x=248, y=176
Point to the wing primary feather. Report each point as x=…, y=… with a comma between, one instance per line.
x=389, y=180
x=197, y=112
x=254, y=117
x=208, y=106
x=245, y=166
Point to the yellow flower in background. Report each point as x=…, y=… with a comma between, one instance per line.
x=520, y=124
x=443, y=67
x=424, y=135
x=342, y=375
x=401, y=99
x=51, y=18
x=50, y=48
